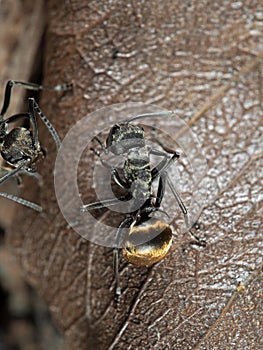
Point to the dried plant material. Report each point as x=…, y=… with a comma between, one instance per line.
x=203, y=60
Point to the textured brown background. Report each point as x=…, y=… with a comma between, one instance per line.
x=204, y=60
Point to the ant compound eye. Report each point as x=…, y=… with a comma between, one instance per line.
x=159, y=235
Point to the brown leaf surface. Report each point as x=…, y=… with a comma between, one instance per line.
x=204, y=60
x=21, y=29
x=22, y=26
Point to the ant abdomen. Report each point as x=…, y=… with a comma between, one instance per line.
x=157, y=237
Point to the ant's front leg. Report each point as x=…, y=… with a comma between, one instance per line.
x=102, y=145
x=30, y=86
x=21, y=201
x=165, y=163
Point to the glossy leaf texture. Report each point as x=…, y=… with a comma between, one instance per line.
x=204, y=60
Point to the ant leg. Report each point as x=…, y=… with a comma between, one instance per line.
x=162, y=154
x=15, y=198
x=126, y=222
x=21, y=201
x=149, y=207
x=33, y=119
x=14, y=171
x=7, y=97
x=184, y=211
x=29, y=86
x=163, y=165
x=114, y=172
x=117, y=275
x=119, y=181
x=34, y=107
x=97, y=153
x=16, y=117
x=161, y=190
x=161, y=169
x=103, y=204
x=102, y=145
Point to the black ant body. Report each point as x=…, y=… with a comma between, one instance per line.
x=20, y=147
x=149, y=238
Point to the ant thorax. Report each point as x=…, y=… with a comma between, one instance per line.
x=137, y=171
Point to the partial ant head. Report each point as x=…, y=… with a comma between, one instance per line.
x=157, y=235
x=124, y=136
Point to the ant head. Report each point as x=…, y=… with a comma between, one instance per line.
x=124, y=136
x=157, y=238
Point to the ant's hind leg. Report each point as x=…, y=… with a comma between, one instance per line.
x=184, y=211
x=34, y=107
x=119, y=236
x=21, y=201
x=161, y=190
x=117, y=275
x=165, y=163
x=14, y=171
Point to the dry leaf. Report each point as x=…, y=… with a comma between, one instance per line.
x=203, y=60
